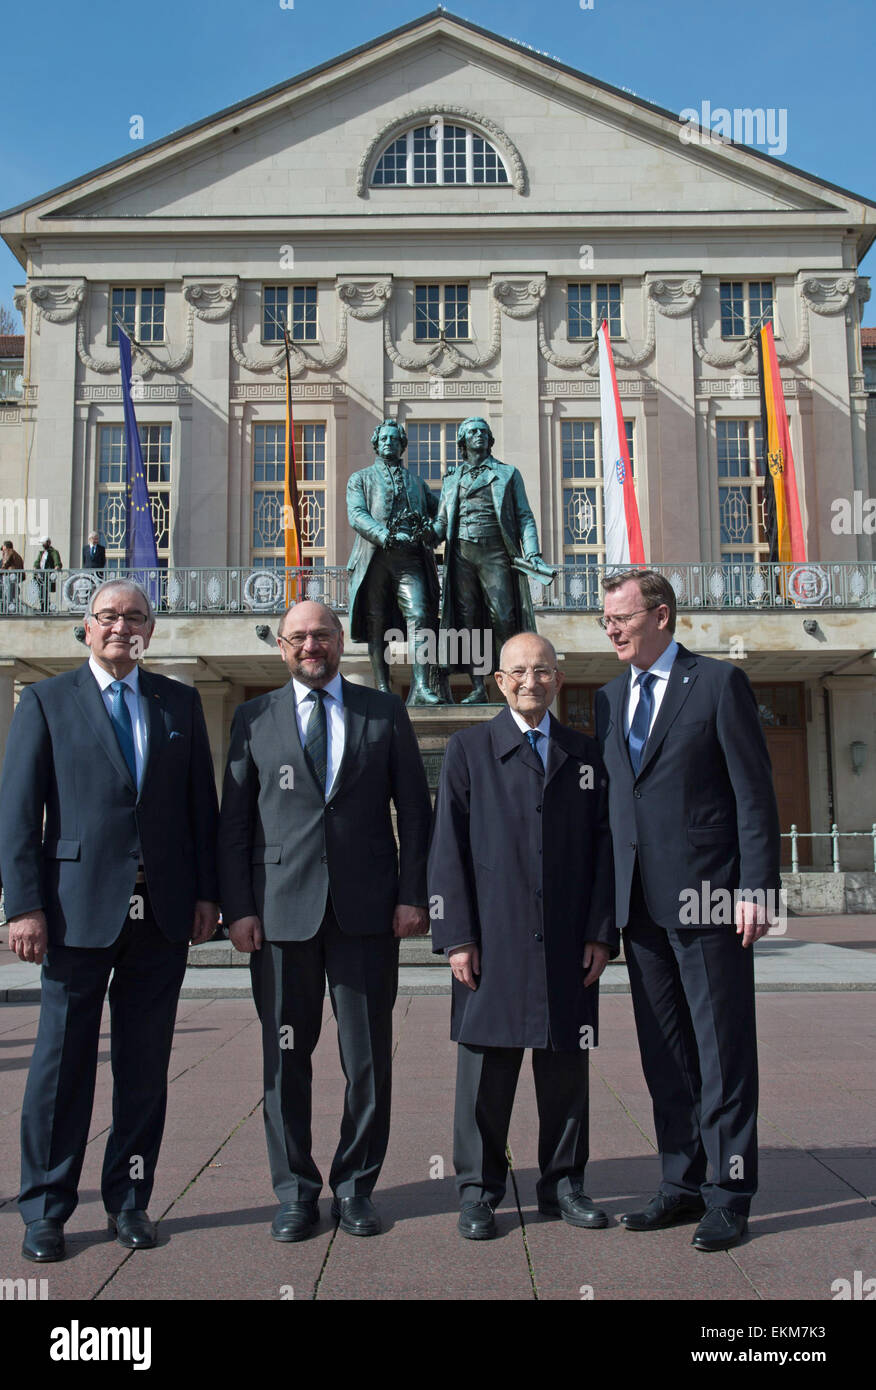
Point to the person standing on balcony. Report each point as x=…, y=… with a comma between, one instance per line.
x=10, y=560
x=47, y=560
x=93, y=554
x=694, y=823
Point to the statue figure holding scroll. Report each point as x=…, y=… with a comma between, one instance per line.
x=491, y=547
x=393, y=577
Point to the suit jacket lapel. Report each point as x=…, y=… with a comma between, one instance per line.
x=621, y=700
x=557, y=754
x=156, y=731
x=681, y=682
x=90, y=700
x=355, y=719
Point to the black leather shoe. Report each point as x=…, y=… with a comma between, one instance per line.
x=133, y=1229
x=577, y=1209
x=476, y=1221
x=43, y=1241
x=356, y=1215
x=664, y=1210
x=720, y=1229
x=295, y=1220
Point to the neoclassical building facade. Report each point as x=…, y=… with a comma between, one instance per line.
x=440, y=220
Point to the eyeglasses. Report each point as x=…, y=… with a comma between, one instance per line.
x=322, y=637
x=109, y=619
x=519, y=673
x=622, y=619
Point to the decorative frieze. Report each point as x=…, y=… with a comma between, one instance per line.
x=442, y=390
x=276, y=391
x=551, y=388
x=162, y=393
x=747, y=388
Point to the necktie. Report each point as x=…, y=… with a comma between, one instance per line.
x=641, y=725
x=532, y=736
x=316, y=741
x=121, y=717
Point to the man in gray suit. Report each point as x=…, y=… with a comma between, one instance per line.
x=313, y=887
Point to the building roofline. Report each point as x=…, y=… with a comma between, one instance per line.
x=514, y=45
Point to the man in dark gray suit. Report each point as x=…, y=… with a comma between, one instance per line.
x=313, y=887
x=116, y=762
x=696, y=850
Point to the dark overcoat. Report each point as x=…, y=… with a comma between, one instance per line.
x=519, y=536
x=520, y=863
x=369, y=507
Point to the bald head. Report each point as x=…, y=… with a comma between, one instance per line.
x=528, y=676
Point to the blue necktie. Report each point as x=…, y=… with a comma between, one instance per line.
x=121, y=717
x=532, y=736
x=316, y=742
x=641, y=725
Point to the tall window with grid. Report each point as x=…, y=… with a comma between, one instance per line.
x=431, y=449
x=440, y=311
x=155, y=442
x=583, y=509
x=268, y=479
x=292, y=307
x=141, y=310
x=589, y=304
x=740, y=492
x=745, y=304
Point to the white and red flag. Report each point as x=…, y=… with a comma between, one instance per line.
x=623, y=534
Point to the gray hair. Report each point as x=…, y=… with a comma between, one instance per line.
x=129, y=584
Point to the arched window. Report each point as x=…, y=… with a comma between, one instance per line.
x=439, y=153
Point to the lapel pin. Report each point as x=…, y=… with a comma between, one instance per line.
x=685, y=679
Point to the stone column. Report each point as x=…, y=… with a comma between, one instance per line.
x=519, y=297
x=679, y=472
x=202, y=490
x=55, y=306
x=363, y=299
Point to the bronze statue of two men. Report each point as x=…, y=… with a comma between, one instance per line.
x=491, y=549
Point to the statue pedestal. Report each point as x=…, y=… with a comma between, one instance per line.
x=433, y=725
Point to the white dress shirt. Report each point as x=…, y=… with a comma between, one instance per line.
x=136, y=708
x=543, y=728
x=661, y=669
x=334, y=718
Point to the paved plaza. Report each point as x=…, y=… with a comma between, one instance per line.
x=813, y=1220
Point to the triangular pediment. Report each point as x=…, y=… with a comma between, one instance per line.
x=305, y=149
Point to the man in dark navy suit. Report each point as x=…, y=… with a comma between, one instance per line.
x=695, y=830
x=521, y=882
x=108, y=865
x=93, y=554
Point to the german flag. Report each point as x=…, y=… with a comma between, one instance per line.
x=291, y=503
x=784, y=525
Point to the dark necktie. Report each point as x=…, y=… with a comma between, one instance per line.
x=316, y=741
x=532, y=736
x=121, y=717
x=641, y=725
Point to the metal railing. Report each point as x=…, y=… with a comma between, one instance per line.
x=834, y=835
x=577, y=588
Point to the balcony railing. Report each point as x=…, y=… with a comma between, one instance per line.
x=229, y=590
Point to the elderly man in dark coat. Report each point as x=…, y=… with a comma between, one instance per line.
x=520, y=875
x=393, y=576
x=487, y=523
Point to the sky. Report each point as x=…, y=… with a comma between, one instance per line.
x=70, y=96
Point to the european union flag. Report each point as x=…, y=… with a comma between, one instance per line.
x=141, y=551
